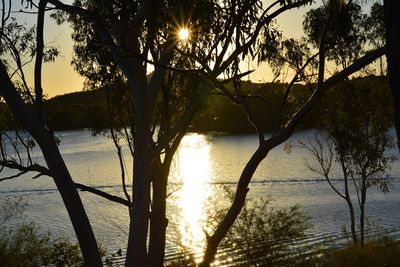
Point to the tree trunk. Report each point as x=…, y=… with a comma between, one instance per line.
x=242, y=187
x=214, y=240
x=158, y=220
x=362, y=220
x=352, y=221
x=57, y=167
x=72, y=202
x=392, y=24
x=362, y=209
x=348, y=199
x=138, y=228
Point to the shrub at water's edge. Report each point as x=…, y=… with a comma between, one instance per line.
x=268, y=236
x=383, y=252
x=261, y=236
x=23, y=243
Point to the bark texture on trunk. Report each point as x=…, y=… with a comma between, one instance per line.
x=362, y=221
x=138, y=228
x=392, y=24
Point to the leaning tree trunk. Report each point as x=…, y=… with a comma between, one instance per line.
x=242, y=188
x=72, y=201
x=215, y=239
x=392, y=24
x=57, y=167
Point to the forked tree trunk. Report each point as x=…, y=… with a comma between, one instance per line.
x=57, y=167
x=348, y=200
x=161, y=170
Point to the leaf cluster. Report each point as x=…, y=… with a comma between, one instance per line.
x=17, y=44
x=345, y=38
x=378, y=253
x=266, y=236
x=358, y=125
x=23, y=244
x=375, y=25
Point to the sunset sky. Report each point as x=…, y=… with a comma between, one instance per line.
x=60, y=78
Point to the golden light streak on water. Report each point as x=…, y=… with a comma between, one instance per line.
x=195, y=171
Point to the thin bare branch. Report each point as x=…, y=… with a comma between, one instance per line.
x=122, y=165
x=39, y=58
x=290, y=86
x=13, y=176
x=103, y=194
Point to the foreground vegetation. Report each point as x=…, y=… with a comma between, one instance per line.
x=22, y=243
x=262, y=236
x=266, y=236
x=382, y=252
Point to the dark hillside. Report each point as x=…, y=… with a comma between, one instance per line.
x=88, y=109
x=85, y=109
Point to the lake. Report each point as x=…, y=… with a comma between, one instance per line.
x=204, y=167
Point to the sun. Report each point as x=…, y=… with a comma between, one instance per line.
x=183, y=34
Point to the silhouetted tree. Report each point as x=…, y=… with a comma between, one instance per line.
x=18, y=47
x=346, y=37
x=347, y=129
x=320, y=86
x=374, y=26
x=125, y=38
x=356, y=139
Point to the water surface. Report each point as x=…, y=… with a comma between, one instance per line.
x=202, y=170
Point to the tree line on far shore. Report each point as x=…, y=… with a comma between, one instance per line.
x=87, y=109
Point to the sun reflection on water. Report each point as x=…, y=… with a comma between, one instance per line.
x=194, y=171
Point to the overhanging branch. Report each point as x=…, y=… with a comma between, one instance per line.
x=281, y=136
x=103, y=194
x=41, y=170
